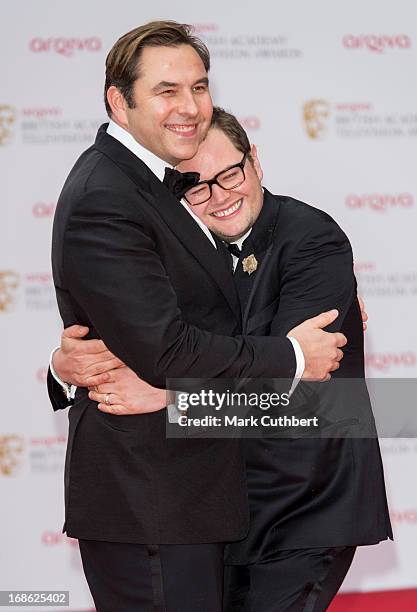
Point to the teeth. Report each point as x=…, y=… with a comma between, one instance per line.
x=228, y=211
x=181, y=128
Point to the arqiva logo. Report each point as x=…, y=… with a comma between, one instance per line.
x=385, y=362
x=364, y=266
x=42, y=374
x=43, y=210
x=56, y=538
x=250, y=123
x=380, y=202
x=377, y=43
x=404, y=516
x=205, y=28
x=65, y=46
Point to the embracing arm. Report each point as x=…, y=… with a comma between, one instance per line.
x=116, y=277
x=317, y=275
x=116, y=287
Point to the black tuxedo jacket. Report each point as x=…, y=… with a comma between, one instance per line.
x=310, y=492
x=130, y=263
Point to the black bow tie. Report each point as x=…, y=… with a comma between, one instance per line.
x=178, y=182
x=233, y=249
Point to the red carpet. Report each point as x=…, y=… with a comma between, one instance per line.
x=382, y=601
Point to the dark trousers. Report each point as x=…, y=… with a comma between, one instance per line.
x=165, y=578
x=304, y=580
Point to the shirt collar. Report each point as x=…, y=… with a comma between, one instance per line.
x=241, y=240
x=154, y=163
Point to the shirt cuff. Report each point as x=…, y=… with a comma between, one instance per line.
x=300, y=363
x=174, y=413
x=69, y=390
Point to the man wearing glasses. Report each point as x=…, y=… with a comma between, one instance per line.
x=312, y=501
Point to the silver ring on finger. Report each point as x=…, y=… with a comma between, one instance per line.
x=107, y=399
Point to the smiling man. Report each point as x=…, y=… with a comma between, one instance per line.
x=312, y=501
x=152, y=515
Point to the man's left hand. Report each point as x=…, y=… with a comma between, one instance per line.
x=127, y=394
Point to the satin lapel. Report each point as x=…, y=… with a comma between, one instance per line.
x=191, y=235
x=256, y=281
x=260, y=244
x=174, y=215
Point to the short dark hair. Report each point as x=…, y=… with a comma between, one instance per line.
x=122, y=62
x=230, y=126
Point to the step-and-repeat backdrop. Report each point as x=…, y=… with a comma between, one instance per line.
x=327, y=91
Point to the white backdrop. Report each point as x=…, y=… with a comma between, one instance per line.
x=327, y=91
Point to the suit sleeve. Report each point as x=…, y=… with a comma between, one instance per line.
x=317, y=276
x=56, y=394
x=115, y=275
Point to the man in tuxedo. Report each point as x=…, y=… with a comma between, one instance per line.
x=152, y=515
x=312, y=501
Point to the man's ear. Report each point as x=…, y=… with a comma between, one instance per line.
x=256, y=163
x=118, y=106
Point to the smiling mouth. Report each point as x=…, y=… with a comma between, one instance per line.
x=182, y=129
x=228, y=212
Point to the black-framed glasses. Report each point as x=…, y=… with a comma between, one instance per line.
x=230, y=178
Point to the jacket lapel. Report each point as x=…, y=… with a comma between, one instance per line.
x=260, y=244
x=173, y=214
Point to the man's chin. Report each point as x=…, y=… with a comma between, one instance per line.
x=227, y=237
x=185, y=152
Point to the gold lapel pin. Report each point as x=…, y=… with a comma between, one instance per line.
x=250, y=264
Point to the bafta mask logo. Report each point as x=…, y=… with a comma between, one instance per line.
x=11, y=449
x=7, y=119
x=316, y=114
x=9, y=282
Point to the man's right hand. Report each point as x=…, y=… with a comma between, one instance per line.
x=321, y=349
x=84, y=363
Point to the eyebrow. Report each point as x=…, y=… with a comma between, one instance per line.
x=165, y=84
x=223, y=171
x=203, y=80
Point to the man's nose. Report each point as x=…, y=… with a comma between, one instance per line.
x=187, y=104
x=218, y=195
